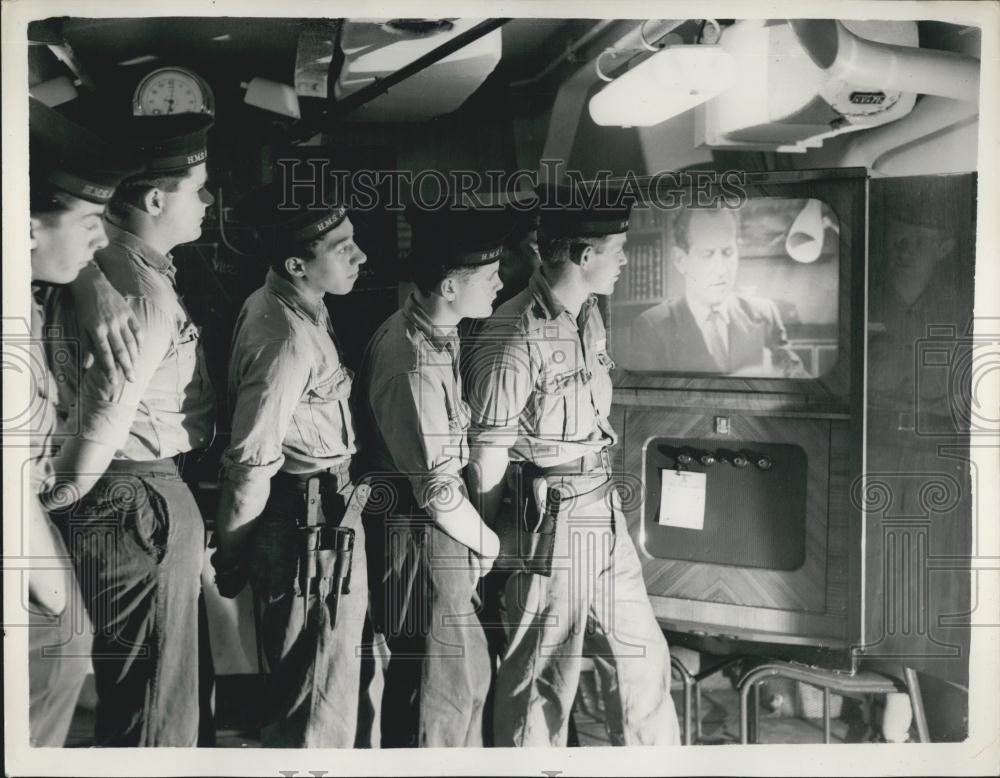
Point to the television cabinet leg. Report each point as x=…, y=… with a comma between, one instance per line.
x=917, y=704
x=744, y=706
x=697, y=712
x=688, y=729
x=688, y=680
x=826, y=715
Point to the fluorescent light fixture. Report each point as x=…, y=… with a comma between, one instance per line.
x=272, y=96
x=138, y=60
x=668, y=83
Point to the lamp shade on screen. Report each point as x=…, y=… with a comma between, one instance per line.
x=668, y=83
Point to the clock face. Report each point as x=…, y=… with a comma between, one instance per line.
x=170, y=91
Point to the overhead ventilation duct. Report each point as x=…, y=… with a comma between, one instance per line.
x=783, y=100
x=374, y=49
x=881, y=66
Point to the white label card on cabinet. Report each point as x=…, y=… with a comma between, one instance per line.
x=682, y=499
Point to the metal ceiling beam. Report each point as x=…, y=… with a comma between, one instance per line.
x=380, y=86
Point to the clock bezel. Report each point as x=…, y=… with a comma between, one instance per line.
x=207, y=98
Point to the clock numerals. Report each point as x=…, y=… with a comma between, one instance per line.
x=170, y=92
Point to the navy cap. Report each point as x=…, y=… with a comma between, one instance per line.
x=525, y=213
x=72, y=158
x=520, y=209
x=173, y=143
x=289, y=215
x=589, y=211
x=458, y=236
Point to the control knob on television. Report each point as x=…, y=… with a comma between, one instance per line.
x=764, y=463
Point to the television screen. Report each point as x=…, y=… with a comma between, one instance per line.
x=749, y=291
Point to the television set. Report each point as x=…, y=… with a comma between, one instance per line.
x=739, y=447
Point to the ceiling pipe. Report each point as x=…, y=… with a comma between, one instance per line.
x=382, y=85
x=570, y=50
x=866, y=64
x=639, y=39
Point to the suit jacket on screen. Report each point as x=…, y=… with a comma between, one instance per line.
x=667, y=337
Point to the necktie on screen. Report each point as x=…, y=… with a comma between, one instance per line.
x=715, y=339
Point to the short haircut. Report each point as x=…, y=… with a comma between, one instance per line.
x=278, y=249
x=131, y=191
x=427, y=275
x=556, y=252
x=682, y=224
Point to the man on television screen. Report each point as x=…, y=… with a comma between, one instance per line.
x=711, y=329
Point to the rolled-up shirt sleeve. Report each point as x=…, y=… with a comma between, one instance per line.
x=412, y=416
x=107, y=410
x=499, y=379
x=270, y=388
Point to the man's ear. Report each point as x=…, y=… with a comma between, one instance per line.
x=585, y=255
x=153, y=201
x=679, y=257
x=295, y=266
x=35, y=225
x=448, y=289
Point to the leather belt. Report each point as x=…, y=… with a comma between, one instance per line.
x=340, y=473
x=580, y=502
x=589, y=464
x=168, y=466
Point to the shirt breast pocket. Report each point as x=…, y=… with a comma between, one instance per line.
x=336, y=387
x=186, y=357
x=326, y=429
x=558, y=398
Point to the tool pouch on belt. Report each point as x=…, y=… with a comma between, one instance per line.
x=325, y=554
x=536, y=525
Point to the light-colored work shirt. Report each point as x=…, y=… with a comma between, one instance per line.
x=42, y=419
x=169, y=408
x=538, y=380
x=412, y=413
x=289, y=391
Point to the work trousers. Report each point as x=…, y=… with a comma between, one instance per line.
x=439, y=668
x=313, y=667
x=593, y=603
x=137, y=543
x=59, y=647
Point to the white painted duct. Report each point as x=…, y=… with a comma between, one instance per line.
x=866, y=64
